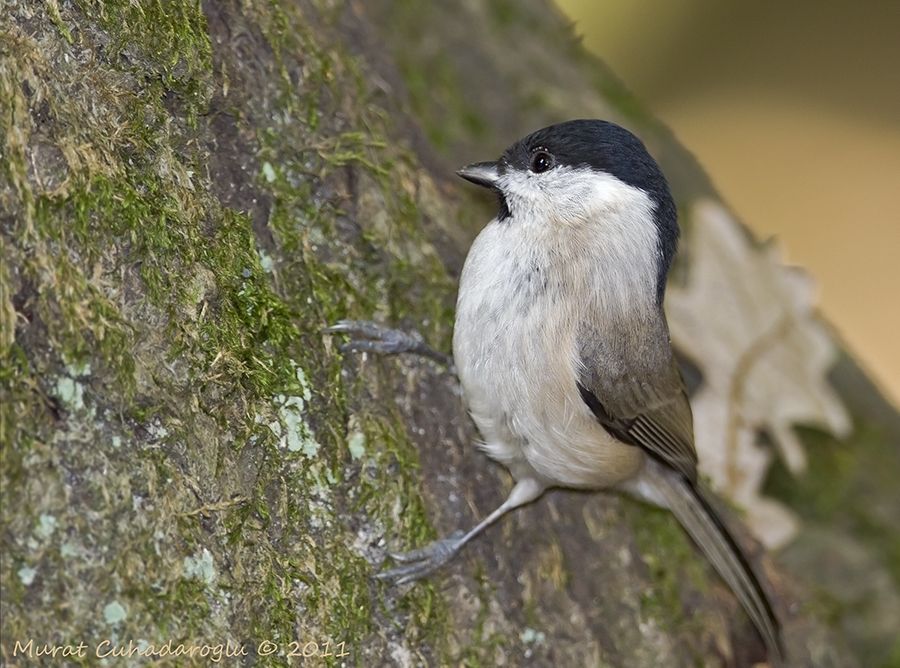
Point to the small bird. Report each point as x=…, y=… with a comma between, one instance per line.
x=562, y=348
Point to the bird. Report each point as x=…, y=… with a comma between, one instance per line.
x=562, y=348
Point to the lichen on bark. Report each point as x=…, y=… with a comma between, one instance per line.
x=188, y=199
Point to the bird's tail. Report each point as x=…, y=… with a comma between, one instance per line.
x=698, y=517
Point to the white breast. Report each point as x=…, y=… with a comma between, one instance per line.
x=521, y=302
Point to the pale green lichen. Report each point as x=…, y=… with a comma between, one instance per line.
x=26, y=575
x=46, y=526
x=265, y=261
x=78, y=370
x=292, y=430
x=157, y=431
x=70, y=550
x=530, y=636
x=200, y=567
x=70, y=392
x=268, y=172
x=292, y=427
x=114, y=613
x=356, y=444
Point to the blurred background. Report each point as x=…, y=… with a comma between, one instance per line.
x=794, y=110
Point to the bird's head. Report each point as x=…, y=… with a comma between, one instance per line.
x=591, y=175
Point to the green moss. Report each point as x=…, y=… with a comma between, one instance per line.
x=167, y=40
x=132, y=263
x=438, y=93
x=672, y=560
x=453, y=116
x=53, y=11
x=843, y=486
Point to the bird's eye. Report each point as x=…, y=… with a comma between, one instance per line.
x=541, y=161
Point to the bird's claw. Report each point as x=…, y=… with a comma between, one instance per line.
x=366, y=336
x=422, y=561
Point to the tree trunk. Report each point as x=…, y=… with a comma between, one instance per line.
x=190, y=193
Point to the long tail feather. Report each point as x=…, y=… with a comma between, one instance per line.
x=698, y=517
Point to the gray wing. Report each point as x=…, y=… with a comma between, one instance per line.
x=652, y=413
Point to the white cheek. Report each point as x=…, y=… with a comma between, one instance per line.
x=551, y=197
x=573, y=196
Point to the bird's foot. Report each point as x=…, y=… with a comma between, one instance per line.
x=423, y=561
x=366, y=336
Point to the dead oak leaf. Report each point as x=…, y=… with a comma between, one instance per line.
x=749, y=323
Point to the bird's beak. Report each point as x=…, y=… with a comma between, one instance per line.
x=484, y=174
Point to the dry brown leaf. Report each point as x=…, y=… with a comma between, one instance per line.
x=749, y=323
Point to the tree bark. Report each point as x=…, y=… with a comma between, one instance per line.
x=190, y=193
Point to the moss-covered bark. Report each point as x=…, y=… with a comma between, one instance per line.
x=189, y=196
x=189, y=193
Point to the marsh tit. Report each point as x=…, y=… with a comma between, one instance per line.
x=562, y=347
